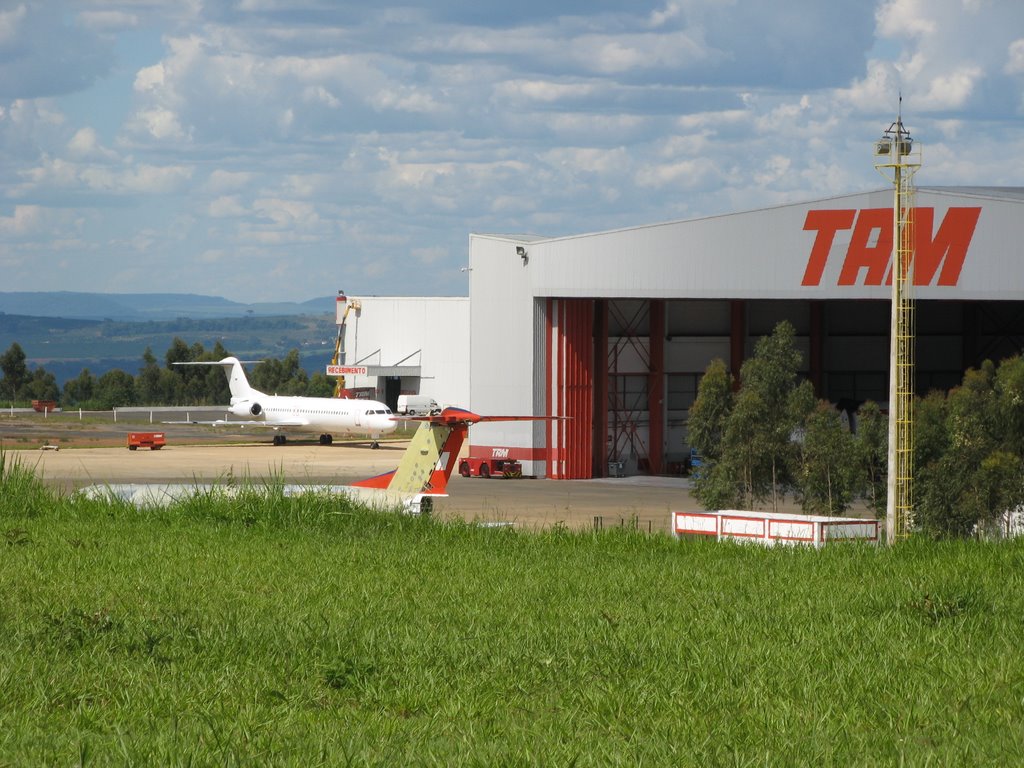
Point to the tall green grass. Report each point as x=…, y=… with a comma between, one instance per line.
x=267, y=629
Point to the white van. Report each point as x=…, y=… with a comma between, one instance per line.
x=417, y=405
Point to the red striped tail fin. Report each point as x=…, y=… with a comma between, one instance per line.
x=433, y=452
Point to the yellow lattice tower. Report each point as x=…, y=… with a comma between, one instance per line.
x=896, y=155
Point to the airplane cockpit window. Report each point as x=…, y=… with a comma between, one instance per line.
x=388, y=411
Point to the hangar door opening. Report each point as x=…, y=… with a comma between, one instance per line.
x=626, y=373
x=605, y=375
x=570, y=388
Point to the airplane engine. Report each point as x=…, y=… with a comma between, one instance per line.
x=246, y=409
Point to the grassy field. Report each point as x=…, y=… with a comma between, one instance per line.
x=266, y=630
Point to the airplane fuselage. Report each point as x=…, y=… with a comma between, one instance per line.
x=317, y=414
x=327, y=415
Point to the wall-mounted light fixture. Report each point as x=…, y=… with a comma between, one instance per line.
x=522, y=254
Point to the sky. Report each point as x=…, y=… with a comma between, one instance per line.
x=281, y=150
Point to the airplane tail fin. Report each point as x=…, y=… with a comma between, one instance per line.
x=237, y=381
x=433, y=452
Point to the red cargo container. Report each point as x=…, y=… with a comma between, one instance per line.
x=152, y=440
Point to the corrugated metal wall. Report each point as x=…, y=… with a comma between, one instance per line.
x=570, y=387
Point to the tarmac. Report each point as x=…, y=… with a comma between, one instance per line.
x=70, y=454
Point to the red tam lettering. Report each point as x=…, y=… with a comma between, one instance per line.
x=948, y=247
x=862, y=255
x=827, y=223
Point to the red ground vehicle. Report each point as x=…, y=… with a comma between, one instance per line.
x=152, y=440
x=490, y=467
x=44, y=406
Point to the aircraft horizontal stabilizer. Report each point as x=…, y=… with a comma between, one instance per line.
x=452, y=416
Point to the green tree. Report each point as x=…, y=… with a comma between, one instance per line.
x=15, y=370
x=1010, y=394
x=931, y=430
x=148, y=383
x=710, y=412
x=115, y=388
x=748, y=451
x=320, y=385
x=40, y=385
x=281, y=376
x=714, y=484
x=191, y=385
x=968, y=464
x=828, y=473
x=746, y=440
x=769, y=404
x=218, y=391
x=80, y=390
x=872, y=442
x=998, y=489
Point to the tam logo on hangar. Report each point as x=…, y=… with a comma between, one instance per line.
x=938, y=252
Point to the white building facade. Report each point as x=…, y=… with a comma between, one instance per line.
x=409, y=346
x=611, y=331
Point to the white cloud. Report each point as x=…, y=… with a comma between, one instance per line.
x=772, y=170
x=542, y=90
x=10, y=22
x=287, y=213
x=399, y=129
x=317, y=93
x=429, y=256
x=1015, y=58
x=226, y=206
x=159, y=123
x=686, y=174
x=584, y=127
x=107, y=21
x=590, y=160
x=952, y=89
x=150, y=78
x=86, y=144
x=224, y=181
x=659, y=17
x=713, y=120
x=141, y=178
x=26, y=219
x=405, y=100
x=899, y=18
x=876, y=89
x=625, y=53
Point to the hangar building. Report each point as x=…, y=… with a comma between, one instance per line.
x=614, y=329
x=409, y=346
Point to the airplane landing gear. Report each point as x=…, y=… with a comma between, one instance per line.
x=326, y=439
x=279, y=439
x=375, y=445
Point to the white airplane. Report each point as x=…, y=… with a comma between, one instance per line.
x=327, y=415
x=421, y=476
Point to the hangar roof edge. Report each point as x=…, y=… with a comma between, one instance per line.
x=1008, y=194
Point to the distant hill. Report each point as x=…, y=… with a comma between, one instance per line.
x=64, y=346
x=136, y=307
